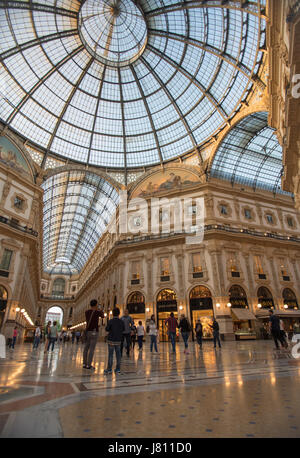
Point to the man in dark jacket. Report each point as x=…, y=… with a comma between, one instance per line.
x=216, y=333
x=128, y=323
x=199, y=333
x=275, y=330
x=115, y=328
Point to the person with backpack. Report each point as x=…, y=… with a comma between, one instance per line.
x=133, y=334
x=128, y=322
x=216, y=333
x=185, y=329
x=92, y=316
x=199, y=333
x=115, y=328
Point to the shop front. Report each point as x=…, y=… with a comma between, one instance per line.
x=265, y=303
x=243, y=319
x=136, y=308
x=165, y=304
x=201, y=308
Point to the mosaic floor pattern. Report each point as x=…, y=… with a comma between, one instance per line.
x=246, y=389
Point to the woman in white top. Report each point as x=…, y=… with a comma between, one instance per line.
x=153, y=334
x=140, y=335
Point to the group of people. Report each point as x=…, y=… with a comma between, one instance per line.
x=122, y=332
x=185, y=328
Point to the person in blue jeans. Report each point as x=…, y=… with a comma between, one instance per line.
x=153, y=334
x=172, y=325
x=53, y=336
x=115, y=328
x=185, y=328
x=140, y=335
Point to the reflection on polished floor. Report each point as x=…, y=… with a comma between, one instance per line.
x=246, y=389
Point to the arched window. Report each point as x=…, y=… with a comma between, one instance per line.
x=237, y=297
x=136, y=303
x=199, y=292
x=289, y=298
x=265, y=298
x=167, y=295
x=58, y=288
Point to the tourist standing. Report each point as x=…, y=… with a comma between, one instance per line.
x=14, y=337
x=115, y=328
x=153, y=334
x=172, y=325
x=199, y=333
x=128, y=322
x=216, y=333
x=47, y=336
x=92, y=316
x=133, y=334
x=37, y=337
x=52, y=336
x=185, y=329
x=283, y=333
x=140, y=335
x=77, y=335
x=275, y=330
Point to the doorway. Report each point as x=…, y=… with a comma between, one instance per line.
x=166, y=303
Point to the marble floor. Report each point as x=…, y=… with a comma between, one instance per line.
x=246, y=389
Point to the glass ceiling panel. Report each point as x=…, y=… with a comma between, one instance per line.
x=77, y=208
x=250, y=155
x=115, y=82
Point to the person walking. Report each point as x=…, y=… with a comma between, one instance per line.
x=37, y=337
x=172, y=325
x=133, y=334
x=77, y=335
x=283, y=333
x=14, y=337
x=52, y=336
x=199, y=333
x=47, y=336
x=185, y=329
x=92, y=316
x=140, y=335
x=115, y=328
x=216, y=333
x=128, y=322
x=275, y=330
x=153, y=331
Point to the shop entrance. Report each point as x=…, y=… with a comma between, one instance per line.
x=166, y=303
x=241, y=316
x=201, y=308
x=136, y=307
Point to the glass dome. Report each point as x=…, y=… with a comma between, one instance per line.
x=251, y=155
x=124, y=84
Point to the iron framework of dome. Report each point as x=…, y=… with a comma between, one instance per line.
x=250, y=155
x=123, y=83
x=78, y=206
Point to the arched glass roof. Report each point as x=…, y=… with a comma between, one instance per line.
x=251, y=155
x=121, y=83
x=78, y=206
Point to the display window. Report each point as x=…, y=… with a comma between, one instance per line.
x=206, y=318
